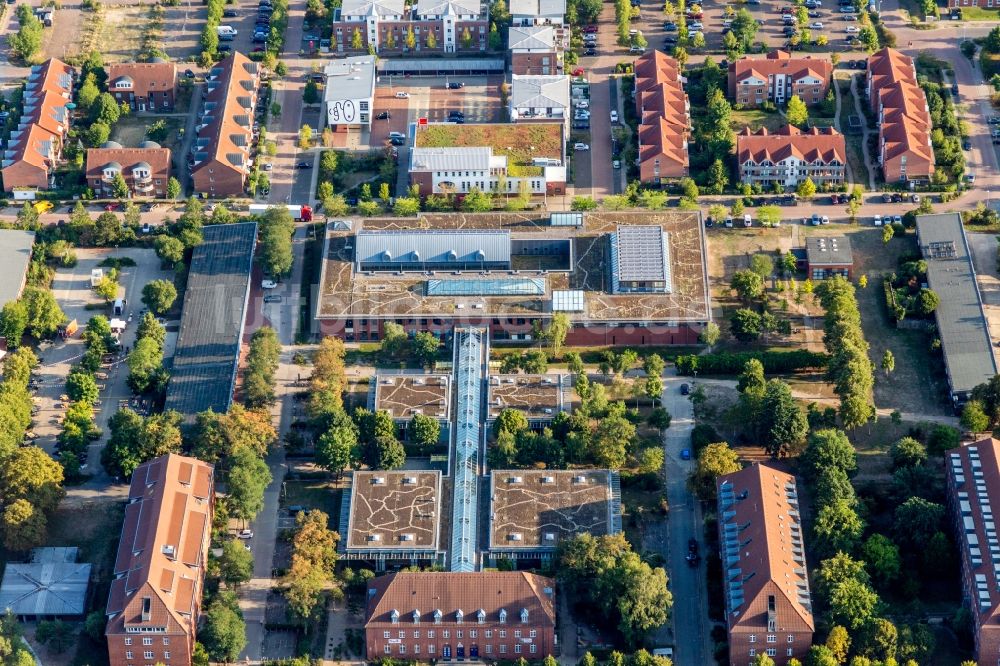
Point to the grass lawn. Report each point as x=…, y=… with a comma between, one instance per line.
x=757, y=118
x=978, y=14
x=319, y=494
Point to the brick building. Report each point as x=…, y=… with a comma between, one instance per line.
x=221, y=153
x=35, y=145
x=664, y=116
x=768, y=607
x=791, y=155
x=155, y=598
x=900, y=108
x=829, y=256
x=973, y=485
x=778, y=76
x=535, y=49
x=475, y=616
x=145, y=169
x=145, y=86
x=391, y=26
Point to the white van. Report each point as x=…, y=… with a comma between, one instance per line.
x=226, y=31
x=747, y=220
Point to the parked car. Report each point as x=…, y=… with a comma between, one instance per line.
x=268, y=284
x=303, y=165
x=272, y=298
x=670, y=26
x=685, y=389
x=614, y=117
x=590, y=29
x=616, y=164
x=966, y=144
x=747, y=220
x=384, y=115
x=229, y=13
x=245, y=534
x=456, y=85
x=877, y=220
x=580, y=146
x=590, y=52
x=685, y=454
x=816, y=25
x=402, y=95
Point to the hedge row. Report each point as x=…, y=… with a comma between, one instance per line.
x=725, y=363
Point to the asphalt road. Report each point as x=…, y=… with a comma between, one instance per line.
x=690, y=620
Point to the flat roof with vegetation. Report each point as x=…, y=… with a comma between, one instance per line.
x=519, y=143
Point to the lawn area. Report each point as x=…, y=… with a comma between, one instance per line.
x=120, y=36
x=979, y=14
x=520, y=143
x=757, y=118
x=130, y=131
x=322, y=494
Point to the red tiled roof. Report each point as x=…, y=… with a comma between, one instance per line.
x=225, y=135
x=902, y=106
x=759, y=506
x=46, y=118
x=158, y=160
x=780, y=62
x=143, y=77
x=427, y=592
x=823, y=144
x=662, y=106
x=164, y=537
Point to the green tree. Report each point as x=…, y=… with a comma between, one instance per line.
x=806, y=189
x=477, y=201
x=224, y=632
x=748, y=285
x=783, y=424
x=713, y=461
x=105, y=110
x=173, y=188
x=853, y=604
x=44, y=314
x=27, y=41
x=13, y=323
x=425, y=347
x=610, y=441
x=88, y=93
x=974, y=419
x=144, y=361
x=837, y=569
x=159, y=295
x=882, y=557
x=275, y=241
x=745, y=325
x=81, y=386
x=426, y=430
x=248, y=478
x=710, y=334
x=718, y=177
x=744, y=28
x=908, y=452
x=97, y=134
x=927, y=302
x=797, y=114
x=916, y=521
x=888, y=362
x=310, y=94
x=828, y=448
x=837, y=527
x=169, y=249
x=833, y=485
x=236, y=563
x=24, y=526
x=335, y=447
x=119, y=188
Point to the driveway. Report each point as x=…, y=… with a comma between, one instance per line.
x=71, y=288
x=690, y=612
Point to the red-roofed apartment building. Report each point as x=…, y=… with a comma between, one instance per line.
x=487, y=616
x=155, y=598
x=778, y=76
x=145, y=170
x=664, y=118
x=34, y=146
x=790, y=155
x=973, y=486
x=225, y=130
x=145, y=86
x=900, y=106
x=768, y=608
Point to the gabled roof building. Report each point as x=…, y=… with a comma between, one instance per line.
x=768, y=607
x=537, y=12
x=145, y=169
x=536, y=49
x=540, y=98
x=664, y=118
x=144, y=86
x=790, y=155
x=482, y=615
x=221, y=151
x=436, y=26
x=33, y=147
x=778, y=76
x=155, y=598
x=900, y=107
x=973, y=488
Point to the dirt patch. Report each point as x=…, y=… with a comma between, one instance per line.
x=120, y=36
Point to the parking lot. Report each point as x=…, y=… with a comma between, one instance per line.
x=71, y=288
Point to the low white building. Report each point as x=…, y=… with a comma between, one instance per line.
x=535, y=98
x=350, y=92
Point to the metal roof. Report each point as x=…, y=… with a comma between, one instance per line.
x=539, y=92
x=350, y=78
x=531, y=37
x=536, y=8
x=961, y=322
x=471, y=348
x=829, y=251
x=381, y=8
x=453, y=158
x=442, y=7
x=640, y=254
x=431, y=65
x=45, y=589
x=416, y=247
x=15, y=255
x=215, y=303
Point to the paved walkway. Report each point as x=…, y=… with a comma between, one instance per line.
x=866, y=133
